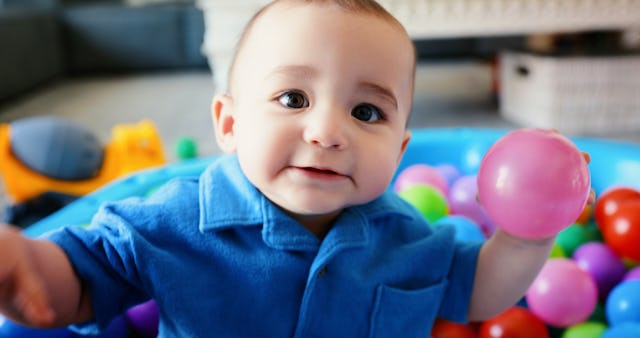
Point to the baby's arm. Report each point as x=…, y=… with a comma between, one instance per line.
x=506, y=266
x=38, y=286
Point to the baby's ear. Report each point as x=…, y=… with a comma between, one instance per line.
x=224, y=122
x=405, y=141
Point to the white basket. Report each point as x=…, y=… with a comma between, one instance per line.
x=450, y=18
x=576, y=95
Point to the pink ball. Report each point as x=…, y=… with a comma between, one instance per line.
x=562, y=294
x=421, y=174
x=533, y=183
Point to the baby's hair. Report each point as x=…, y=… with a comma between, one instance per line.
x=369, y=7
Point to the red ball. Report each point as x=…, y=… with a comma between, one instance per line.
x=446, y=329
x=610, y=201
x=516, y=322
x=621, y=230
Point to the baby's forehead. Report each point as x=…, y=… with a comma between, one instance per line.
x=355, y=6
x=278, y=13
x=277, y=19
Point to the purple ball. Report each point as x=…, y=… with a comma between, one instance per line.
x=450, y=172
x=606, y=268
x=144, y=318
x=463, y=200
x=633, y=274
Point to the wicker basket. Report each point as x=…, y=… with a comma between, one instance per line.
x=576, y=95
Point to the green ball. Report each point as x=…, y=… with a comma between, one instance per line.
x=575, y=235
x=430, y=202
x=585, y=330
x=557, y=252
x=599, y=314
x=186, y=148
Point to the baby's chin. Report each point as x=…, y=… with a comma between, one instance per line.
x=299, y=212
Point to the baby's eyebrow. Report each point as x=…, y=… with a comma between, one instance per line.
x=298, y=71
x=378, y=90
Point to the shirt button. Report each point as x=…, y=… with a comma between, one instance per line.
x=322, y=272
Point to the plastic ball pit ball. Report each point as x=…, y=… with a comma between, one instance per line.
x=10, y=329
x=118, y=328
x=609, y=202
x=606, y=268
x=562, y=294
x=626, y=330
x=623, y=303
x=533, y=183
x=450, y=172
x=446, y=329
x=466, y=229
x=186, y=148
x=585, y=330
x=585, y=215
x=427, y=200
x=598, y=315
x=575, y=235
x=514, y=322
x=463, y=201
x=144, y=318
x=557, y=252
x=633, y=274
x=621, y=230
x=421, y=174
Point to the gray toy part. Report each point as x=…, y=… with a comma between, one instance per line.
x=56, y=148
x=4, y=203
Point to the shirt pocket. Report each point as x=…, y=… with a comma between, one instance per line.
x=405, y=313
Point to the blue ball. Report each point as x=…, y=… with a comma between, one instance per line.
x=118, y=328
x=623, y=303
x=625, y=330
x=466, y=229
x=9, y=329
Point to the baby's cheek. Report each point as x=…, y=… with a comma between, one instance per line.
x=380, y=174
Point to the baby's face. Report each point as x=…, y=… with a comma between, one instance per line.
x=320, y=101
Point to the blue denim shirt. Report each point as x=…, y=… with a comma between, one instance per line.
x=221, y=260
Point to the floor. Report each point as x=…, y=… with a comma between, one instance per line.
x=447, y=95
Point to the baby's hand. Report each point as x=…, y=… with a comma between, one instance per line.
x=23, y=296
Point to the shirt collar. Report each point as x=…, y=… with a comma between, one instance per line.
x=229, y=200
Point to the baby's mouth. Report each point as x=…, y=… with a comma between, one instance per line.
x=320, y=171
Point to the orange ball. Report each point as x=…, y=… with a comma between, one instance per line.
x=585, y=216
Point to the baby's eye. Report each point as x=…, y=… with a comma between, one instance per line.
x=367, y=113
x=293, y=100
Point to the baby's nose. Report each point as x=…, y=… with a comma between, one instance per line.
x=327, y=130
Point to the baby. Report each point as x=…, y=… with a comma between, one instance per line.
x=293, y=234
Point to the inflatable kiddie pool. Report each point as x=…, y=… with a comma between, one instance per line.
x=613, y=163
